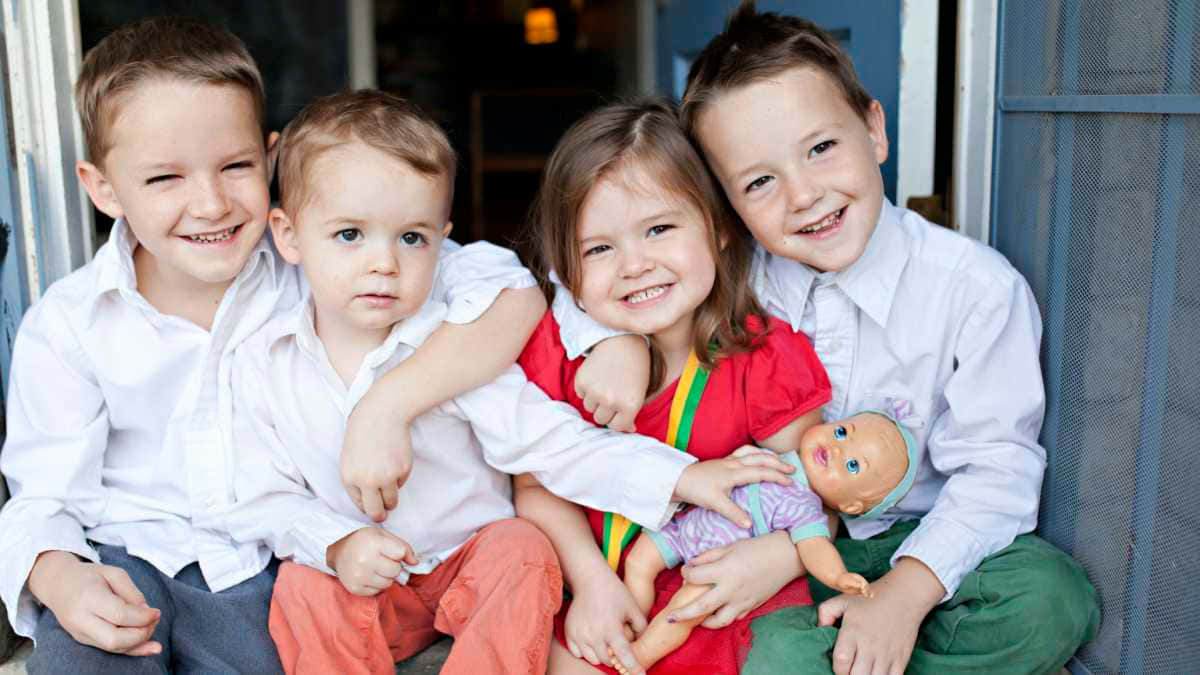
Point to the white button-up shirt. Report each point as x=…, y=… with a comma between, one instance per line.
x=290, y=411
x=113, y=415
x=942, y=332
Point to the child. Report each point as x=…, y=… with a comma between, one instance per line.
x=636, y=228
x=116, y=462
x=366, y=183
x=860, y=466
x=902, y=313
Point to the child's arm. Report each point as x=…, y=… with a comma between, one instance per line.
x=465, y=353
x=272, y=500
x=612, y=380
x=57, y=434
x=602, y=606
x=824, y=562
x=986, y=442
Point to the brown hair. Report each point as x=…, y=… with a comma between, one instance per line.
x=646, y=133
x=759, y=45
x=158, y=48
x=385, y=122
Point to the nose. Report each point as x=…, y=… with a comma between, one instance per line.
x=382, y=260
x=209, y=200
x=803, y=191
x=634, y=262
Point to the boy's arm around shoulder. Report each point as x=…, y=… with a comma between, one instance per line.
x=494, y=305
x=57, y=434
x=272, y=500
x=522, y=431
x=985, y=440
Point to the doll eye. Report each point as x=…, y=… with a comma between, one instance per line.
x=839, y=433
x=852, y=465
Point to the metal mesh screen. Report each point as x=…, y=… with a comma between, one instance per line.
x=1101, y=212
x=1092, y=47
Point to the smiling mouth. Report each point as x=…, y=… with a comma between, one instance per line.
x=213, y=237
x=825, y=223
x=646, y=294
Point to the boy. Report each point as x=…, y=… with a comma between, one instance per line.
x=116, y=462
x=365, y=182
x=903, y=314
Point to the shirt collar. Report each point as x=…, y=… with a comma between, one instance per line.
x=115, y=270
x=870, y=282
x=411, y=332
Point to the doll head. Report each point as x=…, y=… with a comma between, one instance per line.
x=860, y=466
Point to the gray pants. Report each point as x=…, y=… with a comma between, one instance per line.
x=200, y=631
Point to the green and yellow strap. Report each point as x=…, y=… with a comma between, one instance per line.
x=619, y=530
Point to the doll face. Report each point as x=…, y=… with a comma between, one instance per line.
x=854, y=463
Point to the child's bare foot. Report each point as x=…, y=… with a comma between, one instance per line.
x=620, y=667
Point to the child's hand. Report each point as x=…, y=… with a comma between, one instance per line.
x=878, y=633
x=367, y=561
x=744, y=575
x=600, y=618
x=98, y=605
x=612, y=381
x=376, y=458
x=708, y=484
x=854, y=584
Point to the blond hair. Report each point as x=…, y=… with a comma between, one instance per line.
x=158, y=48
x=380, y=120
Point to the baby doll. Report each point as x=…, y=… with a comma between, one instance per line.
x=860, y=466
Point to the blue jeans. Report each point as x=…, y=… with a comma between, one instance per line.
x=200, y=631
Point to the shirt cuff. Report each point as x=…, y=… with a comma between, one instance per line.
x=316, y=532
x=947, y=548
x=649, y=489
x=59, y=533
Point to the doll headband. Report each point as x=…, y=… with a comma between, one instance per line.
x=898, y=492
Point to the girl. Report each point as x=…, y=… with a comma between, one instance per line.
x=642, y=239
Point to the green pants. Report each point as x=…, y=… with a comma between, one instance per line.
x=1025, y=609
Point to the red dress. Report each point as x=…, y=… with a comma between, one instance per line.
x=748, y=396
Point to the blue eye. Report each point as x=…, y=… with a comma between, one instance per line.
x=839, y=433
x=852, y=465
x=349, y=235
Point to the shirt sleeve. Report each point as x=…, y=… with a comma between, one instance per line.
x=579, y=332
x=523, y=431
x=272, y=500
x=784, y=380
x=470, y=278
x=986, y=440
x=544, y=359
x=53, y=455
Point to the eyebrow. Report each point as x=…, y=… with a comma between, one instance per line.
x=663, y=215
x=172, y=165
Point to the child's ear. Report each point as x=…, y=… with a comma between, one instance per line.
x=446, y=229
x=283, y=230
x=99, y=189
x=877, y=130
x=853, y=508
x=272, y=153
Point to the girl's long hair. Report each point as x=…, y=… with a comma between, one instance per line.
x=646, y=134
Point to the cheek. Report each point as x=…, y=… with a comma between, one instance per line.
x=594, y=283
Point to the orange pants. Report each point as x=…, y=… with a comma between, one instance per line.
x=497, y=595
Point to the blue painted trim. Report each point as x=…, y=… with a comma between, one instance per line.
x=1061, y=521
x=1147, y=467
x=1163, y=104
x=997, y=124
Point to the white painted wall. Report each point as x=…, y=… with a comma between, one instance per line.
x=917, y=114
x=974, y=117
